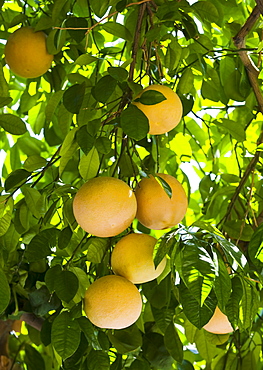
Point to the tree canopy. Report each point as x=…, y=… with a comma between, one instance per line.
x=77, y=122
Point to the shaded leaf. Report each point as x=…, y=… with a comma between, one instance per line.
x=134, y=123
x=73, y=97
x=12, y=124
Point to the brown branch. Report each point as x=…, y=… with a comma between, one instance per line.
x=136, y=39
x=32, y=320
x=253, y=72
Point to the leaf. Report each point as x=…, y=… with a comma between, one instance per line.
x=16, y=178
x=126, y=340
x=98, y=360
x=88, y=329
x=85, y=139
x=89, y=164
x=186, y=82
x=206, y=349
x=96, y=248
x=5, y=294
x=166, y=187
x=77, y=22
x=85, y=59
x=5, y=101
x=33, y=359
x=173, y=343
x=41, y=244
x=12, y=124
x=118, y=30
x=206, y=10
x=51, y=277
x=233, y=128
x=103, y=144
x=120, y=74
x=196, y=314
x=255, y=246
x=104, y=88
x=68, y=148
x=99, y=7
x=134, y=123
x=73, y=97
x=66, y=285
x=64, y=237
x=6, y=211
x=52, y=105
x=222, y=282
x=151, y=97
x=65, y=335
x=34, y=162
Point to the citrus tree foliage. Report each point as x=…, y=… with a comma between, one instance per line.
x=76, y=122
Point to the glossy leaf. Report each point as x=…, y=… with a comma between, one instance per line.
x=134, y=123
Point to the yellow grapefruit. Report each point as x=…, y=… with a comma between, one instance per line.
x=104, y=206
x=132, y=258
x=112, y=302
x=155, y=209
x=163, y=116
x=26, y=53
x=219, y=323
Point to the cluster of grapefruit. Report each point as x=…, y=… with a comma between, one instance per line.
x=105, y=207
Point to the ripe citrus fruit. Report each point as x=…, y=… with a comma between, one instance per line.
x=132, y=258
x=219, y=323
x=112, y=302
x=155, y=209
x=104, y=206
x=163, y=116
x=26, y=53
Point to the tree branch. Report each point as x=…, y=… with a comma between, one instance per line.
x=253, y=72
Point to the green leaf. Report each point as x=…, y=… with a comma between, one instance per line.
x=5, y=294
x=89, y=164
x=120, y=74
x=73, y=97
x=104, y=88
x=164, y=184
x=66, y=285
x=33, y=359
x=5, y=101
x=103, y=144
x=65, y=335
x=12, y=124
x=151, y=97
x=51, y=277
x=126, y=340
x=99, y=7
x=255, y=246
x=118, y=30
x=206, y=10
x=235, y=129
x=196, y=314
x=52, y=105
x=6, y=211
x=222, y=282
x=85, y=59
x=173, y=343
x=77, y=22
x=41, y=244
x=68, y=148
x=34, y=162
x=16, y=178
x=134, y=123
x=88, y=329
x=206, y=349
x=85, y=139
x=64, y=237
x=186, y=82
x=33, y=200
x=96, y=248
x=98, y=360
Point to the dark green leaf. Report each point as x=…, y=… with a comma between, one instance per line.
x=96, y=248
x=77, y=22
x=4, y=291
x=151, y=97
x=164, y=185
x=104, y=88
x=16, y=178
x=103, y=145
x=12, y=124
x=85, y=139
x=73, y=97
x=126, y=340
x=65, y=335
x=120, y=74
x=64, y=237
x=173, y=343
x=41, y=244
x=255, y=247
x=118, y=30
x=99, y=7
x=33, y=359
x=51, y=276
x=66, y=285
x=98, y=360
x=134, y=123
x=5, y=101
